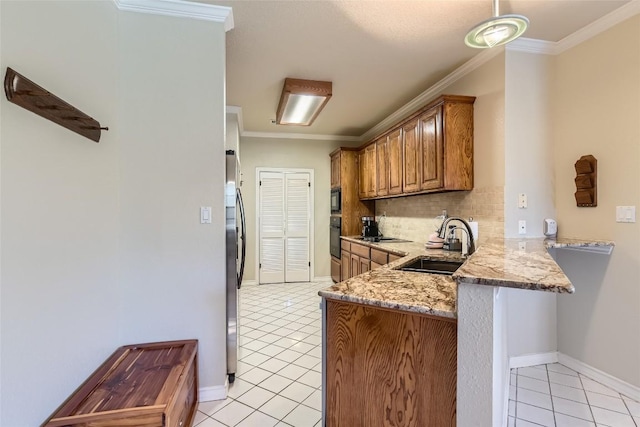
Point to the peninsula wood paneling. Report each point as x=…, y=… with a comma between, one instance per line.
x=387, y=368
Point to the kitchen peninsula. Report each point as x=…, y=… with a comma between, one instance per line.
x=415, y=349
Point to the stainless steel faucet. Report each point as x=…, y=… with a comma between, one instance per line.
x=471, y=246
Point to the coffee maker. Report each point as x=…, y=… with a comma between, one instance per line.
x=370, y=228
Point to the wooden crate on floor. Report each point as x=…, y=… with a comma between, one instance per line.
x=145, y=385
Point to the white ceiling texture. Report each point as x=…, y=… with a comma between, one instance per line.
x=378, y=54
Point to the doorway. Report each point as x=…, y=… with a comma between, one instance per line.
x=284, y=224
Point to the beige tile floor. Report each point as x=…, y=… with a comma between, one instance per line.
x=278, y=382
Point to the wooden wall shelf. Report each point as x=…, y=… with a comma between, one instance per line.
x=25, y=93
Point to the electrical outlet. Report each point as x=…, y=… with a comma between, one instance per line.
x=522, y=227
x=522, y=246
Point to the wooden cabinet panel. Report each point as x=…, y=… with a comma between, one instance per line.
x=395, y=161
x=336, y=268
x=378, y=256
x=375, y=265
x=371, y=170
x=364, y=265
x=335, y=169
x=345, y=265
x=345, y=245
x=382, y=172
x=431, y=148
x=360, y=250
x=388, y=368
x=458, y=142
x=355, y=265
x=412, y=157
x=363, y=178
x=393, y=257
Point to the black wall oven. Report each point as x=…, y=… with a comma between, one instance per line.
x=334, y=236
x=335, y=201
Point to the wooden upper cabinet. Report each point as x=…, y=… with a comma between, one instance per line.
x=335, y=169
x=412, y=157
x=382, y=166
x=457, y=133
x=395, y=165
x=431, y=149
x=367, y=172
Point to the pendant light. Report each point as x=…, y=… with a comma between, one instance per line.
x=496, y=31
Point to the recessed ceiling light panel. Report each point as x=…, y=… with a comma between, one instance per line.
x=301, y=101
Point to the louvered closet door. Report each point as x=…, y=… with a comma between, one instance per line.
x=271, y=227
x=297, y=193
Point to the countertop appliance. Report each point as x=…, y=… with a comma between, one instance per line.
x=235, y=253
x=369, y=227
x=334, y=236
x=336, y=206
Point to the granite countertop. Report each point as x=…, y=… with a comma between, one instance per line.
x=507, y=263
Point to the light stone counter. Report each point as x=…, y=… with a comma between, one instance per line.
x=505, y=263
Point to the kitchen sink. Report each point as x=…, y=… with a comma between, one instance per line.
x=426, y=265
x=382, y=239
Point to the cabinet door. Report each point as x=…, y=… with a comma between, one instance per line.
x=345, y=265
x=431, y=144
x=335, y=170
x=411, y=151
x=371, y=170
x=355, y=265
x=364, y=265
x=362, y=174
x=382, y=169
x=394, y=155
x=335, y=269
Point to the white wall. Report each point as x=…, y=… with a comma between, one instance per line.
x=101, y=243
x=597, y=106
x=529, y=170
x=289, y=153
x=172, y=114
x=59, y=195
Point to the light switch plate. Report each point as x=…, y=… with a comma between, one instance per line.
x=205, y=215
x=625, y=214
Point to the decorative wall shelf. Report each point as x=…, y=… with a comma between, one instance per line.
x=25, y=93
x=586, y=181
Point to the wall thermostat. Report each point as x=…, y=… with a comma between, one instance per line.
x=550, y=227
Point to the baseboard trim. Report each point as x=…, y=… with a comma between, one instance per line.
x=249, y=283
x=533, y=359
x=595, y=374
x=216, y=392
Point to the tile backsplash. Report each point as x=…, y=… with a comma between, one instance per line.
x=413, y=217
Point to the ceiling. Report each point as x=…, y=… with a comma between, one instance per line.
x=378, y=54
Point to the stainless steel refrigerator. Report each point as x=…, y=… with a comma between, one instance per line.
x=236, y=251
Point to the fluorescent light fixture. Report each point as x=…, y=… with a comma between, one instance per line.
x=496, y=31
x=301, y=101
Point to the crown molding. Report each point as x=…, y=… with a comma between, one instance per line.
x=317, y=137
x=181, y=9
x=596, y=27
x=237, y=111
x=431, y=93
x=532, y=46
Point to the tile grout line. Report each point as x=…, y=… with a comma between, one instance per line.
x=553, y=408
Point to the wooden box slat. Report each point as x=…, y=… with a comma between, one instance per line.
x=144, y=385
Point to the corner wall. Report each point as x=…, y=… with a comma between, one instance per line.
x=59, y=195
x=289, y=153
x=172, y=162
x=529, y=170
x=597, y=111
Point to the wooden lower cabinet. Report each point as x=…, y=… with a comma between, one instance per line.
x=389, y=368
x=375, y=265
x=365, y=265
x=147, y=385
x=345, y=265
x=358, y=259
x=336, y=268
